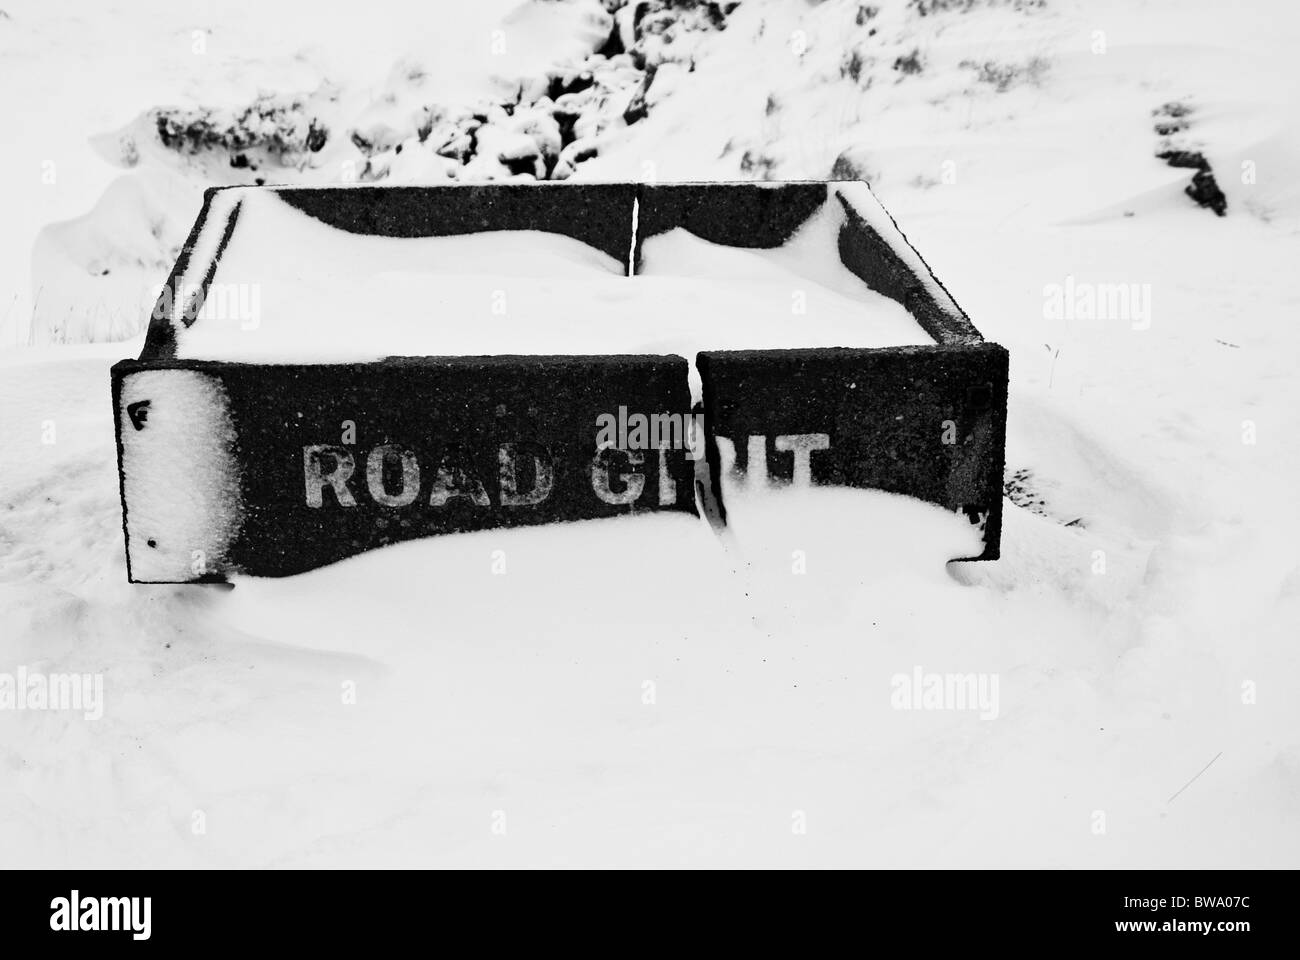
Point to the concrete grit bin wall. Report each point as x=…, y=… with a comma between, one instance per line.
x=246, y=466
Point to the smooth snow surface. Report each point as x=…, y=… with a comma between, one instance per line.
x=290, y=288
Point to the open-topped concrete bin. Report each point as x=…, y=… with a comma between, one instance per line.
x=331, y=370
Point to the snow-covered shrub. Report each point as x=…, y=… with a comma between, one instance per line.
x=928, y=7
x=556, y=121
x=274, y=130
x=669, y=31
x=909, y=63
x=1172, y=120
x=1003, y=76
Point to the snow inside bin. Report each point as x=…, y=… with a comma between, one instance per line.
x=290, y=288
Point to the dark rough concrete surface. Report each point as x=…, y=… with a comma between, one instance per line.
x=454, y=412
x=887, y=414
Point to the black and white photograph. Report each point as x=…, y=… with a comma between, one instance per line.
x=692, y=435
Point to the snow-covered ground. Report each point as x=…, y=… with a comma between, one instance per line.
x=645, y=692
